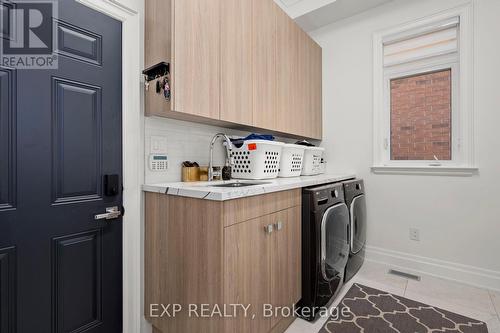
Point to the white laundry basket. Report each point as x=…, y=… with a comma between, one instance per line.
x=291, y=160
x=256, y=159
x=312, y=161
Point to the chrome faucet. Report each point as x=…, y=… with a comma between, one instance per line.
x=229, y=158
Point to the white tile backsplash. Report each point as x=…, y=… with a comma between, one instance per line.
x=185, y=141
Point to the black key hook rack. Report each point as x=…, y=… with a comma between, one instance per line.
x=156, y=71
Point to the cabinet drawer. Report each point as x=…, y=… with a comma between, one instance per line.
x=244, y=209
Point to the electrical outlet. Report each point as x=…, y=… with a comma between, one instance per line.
x=414, y=234
x=158, y=145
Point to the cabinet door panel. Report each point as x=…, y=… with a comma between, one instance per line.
x=236, y=62
x=287, y=259
x=195, y=65
x=303, y=100
x=317, y=90
x=298, y=77
x=264, y=63
x=247, y=273
x=288, y=84
x=157, y=48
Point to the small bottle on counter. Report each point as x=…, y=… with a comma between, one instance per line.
x=217, y=173
x=226, y=173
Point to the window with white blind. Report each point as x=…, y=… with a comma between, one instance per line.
x=423, y=97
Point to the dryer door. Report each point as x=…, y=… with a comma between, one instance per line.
x=358, y=223
x=334, y=241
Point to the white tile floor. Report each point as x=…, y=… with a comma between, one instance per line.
x=495, y=297
x=469, y=301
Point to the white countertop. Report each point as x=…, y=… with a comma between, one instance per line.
x=206, y=190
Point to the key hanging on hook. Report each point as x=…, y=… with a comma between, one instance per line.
x=166, y=88
x=158, y=86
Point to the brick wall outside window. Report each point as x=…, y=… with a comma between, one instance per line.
x=421, y=117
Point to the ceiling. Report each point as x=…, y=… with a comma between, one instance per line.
x=314, y=14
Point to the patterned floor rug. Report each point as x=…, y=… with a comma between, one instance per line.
x=368, y=310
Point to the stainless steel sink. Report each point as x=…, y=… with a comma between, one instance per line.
x=240, y=184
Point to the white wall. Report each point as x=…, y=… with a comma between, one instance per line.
x=458, y=218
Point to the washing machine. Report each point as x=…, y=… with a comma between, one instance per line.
x=325, y=247
x=354, y=192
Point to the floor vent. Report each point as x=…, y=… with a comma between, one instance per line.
x=405, y=275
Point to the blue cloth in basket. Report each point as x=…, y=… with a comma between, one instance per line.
x=254, y=136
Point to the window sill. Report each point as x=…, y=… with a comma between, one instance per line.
x=425, y=170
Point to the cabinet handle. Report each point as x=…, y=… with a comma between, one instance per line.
x=279, y=225
x=269, y=228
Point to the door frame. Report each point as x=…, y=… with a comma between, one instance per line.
x=133, y=155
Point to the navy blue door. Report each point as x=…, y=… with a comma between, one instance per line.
x=60, y=136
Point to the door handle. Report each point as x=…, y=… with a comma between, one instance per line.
x=279, y=225
x=269, y=228
x=111, y=213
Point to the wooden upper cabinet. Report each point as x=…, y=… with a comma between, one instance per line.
x=303, y=101
x=157, y=42
x=235, y=62
x=309, y=97
x=158, y=48
x=287, y=86
x=236, y=96
x=264, y=63
x=196, y=57
x=317, y=90
x=298, y=81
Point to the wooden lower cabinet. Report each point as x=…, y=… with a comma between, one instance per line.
x=191, y=256
x=262, y=268
x=286, y=264
x=247, y=276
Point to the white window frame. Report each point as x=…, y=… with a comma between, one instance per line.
x=462, y=122
x=424, y=67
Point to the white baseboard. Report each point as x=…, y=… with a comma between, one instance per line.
x=474, y=276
